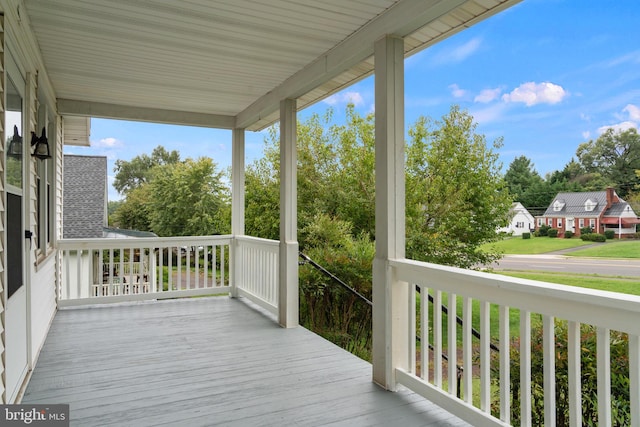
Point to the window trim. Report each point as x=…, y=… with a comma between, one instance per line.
x=45, y=185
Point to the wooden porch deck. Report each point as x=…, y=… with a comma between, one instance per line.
x=210, y=361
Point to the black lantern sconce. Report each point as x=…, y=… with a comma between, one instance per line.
x=15, y=145
x=42, y=145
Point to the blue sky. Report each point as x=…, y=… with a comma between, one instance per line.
x=545, y=75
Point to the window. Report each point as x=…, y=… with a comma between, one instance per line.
x=590, y=205
x=44, y=182
x=592, y=223
x=558, y=205
x=581, y=223
x=14, y=170
x=540, y=222
x=559, y=222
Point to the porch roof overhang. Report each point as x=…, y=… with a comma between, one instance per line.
x=224, y=63
x=618, y=220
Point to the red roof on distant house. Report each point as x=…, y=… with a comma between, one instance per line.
x=616, y=221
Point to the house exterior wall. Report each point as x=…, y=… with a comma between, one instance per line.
x=42, y=304
x=521, y=222
x=39, y=266
x=3, y=235
x=561, y=224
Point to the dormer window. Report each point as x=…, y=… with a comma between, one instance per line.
x=590, y=205
x=558, y=205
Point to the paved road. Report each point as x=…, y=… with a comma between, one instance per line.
x=560, y=263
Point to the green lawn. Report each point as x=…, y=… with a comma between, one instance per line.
x=592, y=281
x=534, y=245
x=612, y=249
x=605, y=283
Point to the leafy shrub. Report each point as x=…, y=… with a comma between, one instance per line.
x=593, y=237
x=543, y=230
x=568, y=234
x=552, y=232
x=526, y=235
x=609, y=234
x=586, y=230
x=325, y=307
x=620, y=398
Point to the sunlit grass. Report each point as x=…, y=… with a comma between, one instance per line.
x=612, y=249
x=625, y=285
x=533, y=246
x=604, y=283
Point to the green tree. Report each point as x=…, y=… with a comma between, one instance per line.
x=134, y=212
x=615, y=155
x=456, y=196
x=520, y=177
x=137, y=171
x=262, y=192
x=354, y=182
x=188, y=198
x=112, y=207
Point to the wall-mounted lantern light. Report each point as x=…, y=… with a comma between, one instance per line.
x=15, y=145
x=42, y=145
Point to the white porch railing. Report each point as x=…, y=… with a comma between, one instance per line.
x=482, y=294
x=112, y=270
x=256, y=275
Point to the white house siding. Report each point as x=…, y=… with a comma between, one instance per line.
x=3, y=237
x=39, y=274
x=58, y=173
x=43, y=304
x=521, y=217
x=625, y=231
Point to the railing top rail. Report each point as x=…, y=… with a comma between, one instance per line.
x=109, y=243
x=260, y=240
x=602, y=308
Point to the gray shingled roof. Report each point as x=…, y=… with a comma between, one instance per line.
x=575, y=205
x=85, y=196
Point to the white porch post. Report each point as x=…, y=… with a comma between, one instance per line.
x=390, y=317
x=288, y=283
x=237, y=203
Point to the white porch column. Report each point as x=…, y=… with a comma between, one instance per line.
x=288, y=286
x=237, y=202
x=390, y=297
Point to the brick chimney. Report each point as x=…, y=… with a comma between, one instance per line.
x=612, y=197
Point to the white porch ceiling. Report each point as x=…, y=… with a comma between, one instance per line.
x=225, y=63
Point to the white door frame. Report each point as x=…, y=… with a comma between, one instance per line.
x=16, y=307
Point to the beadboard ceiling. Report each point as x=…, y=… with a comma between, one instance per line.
x=225, y=63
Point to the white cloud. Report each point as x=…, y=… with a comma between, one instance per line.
x=618, y=127
x=586, y=135
x=492, y=113
x=345, y=98
x=456, y=91
x=634, y=112
x=532, y=93
x=460, y=53
x=107, y=143
x=631, y=57
x=487, y=95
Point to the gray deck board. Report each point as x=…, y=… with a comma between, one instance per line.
x=210, y=361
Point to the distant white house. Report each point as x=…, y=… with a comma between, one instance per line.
x=521, y=221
